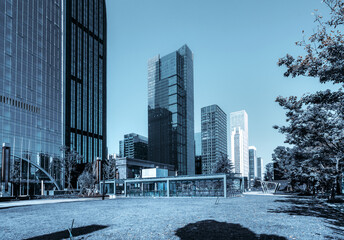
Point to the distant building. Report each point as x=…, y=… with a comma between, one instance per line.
x=252, y=163
x=135, y=146
x=171, y=110
x=121, y=148
x=198, y=164
x=214, y=137
x=198, y=153
x=259, y=168
x=239, y=142
x=198, y=144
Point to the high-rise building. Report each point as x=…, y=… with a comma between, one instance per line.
x=85, y=74
x=198, y=144
x=52, y=84
x=239, y=142
x=214, y=137
x=135, y=146
x=121, y=148
x=171, y=110
x=252, y=163
x=259, y=168
x=31, y=89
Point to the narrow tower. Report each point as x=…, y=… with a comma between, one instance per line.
x=171, y=110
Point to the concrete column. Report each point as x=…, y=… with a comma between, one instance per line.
x=225, y=186
x=125, y=188
x=168, y=188
x=42, y=188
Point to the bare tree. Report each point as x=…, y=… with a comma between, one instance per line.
x=68, y=162
x=15, y=174
x=87, y=179
x=109, y=168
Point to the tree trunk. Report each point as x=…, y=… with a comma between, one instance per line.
x=333, y=191
x=339, y=184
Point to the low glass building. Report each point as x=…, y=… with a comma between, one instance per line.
x=216, y=185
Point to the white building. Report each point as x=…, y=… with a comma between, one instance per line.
x=239, y=142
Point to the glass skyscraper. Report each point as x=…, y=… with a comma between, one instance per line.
x=171, y=110
x=214, y=137
x=31, y=87
x=252, y=163
x=85, y=95
x=239, y=141
x=198, y=144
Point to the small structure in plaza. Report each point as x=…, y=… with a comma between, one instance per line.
x=215, y=185
x=132, y=168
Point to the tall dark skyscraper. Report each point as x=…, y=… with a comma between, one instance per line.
x=85, y=73
x=214, y=137
x=31, y=83
x=252, y=157
x=171, y=110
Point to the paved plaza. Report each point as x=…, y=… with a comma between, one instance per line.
x=248, y=217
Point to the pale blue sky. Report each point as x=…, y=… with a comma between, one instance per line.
x=236, y=46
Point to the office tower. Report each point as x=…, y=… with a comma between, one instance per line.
x=252, y=163
x=85, y=73
x=121, y=148
x=135, y=146
x=198, y=144
x=260, y=168
x=171, y=110
x=214, y=137
x=239, y=142
x=31, y=89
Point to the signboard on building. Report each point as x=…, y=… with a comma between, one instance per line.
x=154, y=172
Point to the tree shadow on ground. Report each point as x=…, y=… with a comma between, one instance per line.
x=65, y=234
x=315, y=208
x=210, y=229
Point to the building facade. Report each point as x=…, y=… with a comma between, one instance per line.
x=85, y=76
x=31, y=89
x=252, y=163
x=198, y=144
x=260, y=168
x=132, y=168
x=214, y=137
x=239, y=142
x=135, y=146
x=171, y=110
x=121, y=148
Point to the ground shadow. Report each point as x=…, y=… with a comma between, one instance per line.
x=302, y=206
x=210, y=229
x=65, y=234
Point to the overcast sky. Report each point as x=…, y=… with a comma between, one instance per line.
x=236, y=46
